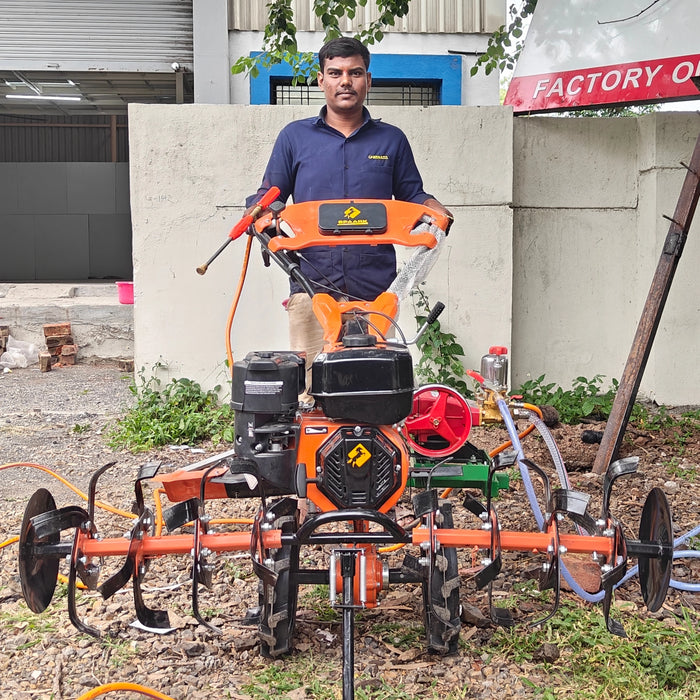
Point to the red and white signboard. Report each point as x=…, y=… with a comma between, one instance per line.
x=591, y=53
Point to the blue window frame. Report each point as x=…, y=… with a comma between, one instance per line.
x=441, y=72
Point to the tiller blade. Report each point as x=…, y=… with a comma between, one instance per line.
x=655, y=549
x=38, y=570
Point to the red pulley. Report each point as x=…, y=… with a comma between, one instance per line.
x=440, y=421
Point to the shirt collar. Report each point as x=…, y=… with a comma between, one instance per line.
x=366, y=118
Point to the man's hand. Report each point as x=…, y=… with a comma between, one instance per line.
x=434, y=204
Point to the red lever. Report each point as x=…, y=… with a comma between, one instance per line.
x=242, y=226
x=265, y=201
x=498, y=350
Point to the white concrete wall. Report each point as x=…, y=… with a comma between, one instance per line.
x=589, y=199
x=193, y=165
x=558, y=233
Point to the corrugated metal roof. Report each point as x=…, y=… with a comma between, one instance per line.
x=424, y=16
x=98, y=92
x=104, y=35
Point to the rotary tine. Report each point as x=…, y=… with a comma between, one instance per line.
x=201, y=568
x=92, y=489
x=621, y=467
x=612, y=575
x=499, y=616
x=72, y=607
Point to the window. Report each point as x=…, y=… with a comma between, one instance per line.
x=397, y=79
x=423, y=93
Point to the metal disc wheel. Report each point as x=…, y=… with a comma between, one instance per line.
x=278, y=603
x=656, y=526
x=440, y=421
x=37, y=574
x=441, y=594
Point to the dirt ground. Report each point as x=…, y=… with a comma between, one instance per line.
x=57, y=421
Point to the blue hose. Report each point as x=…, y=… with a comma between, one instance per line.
x=537, y=512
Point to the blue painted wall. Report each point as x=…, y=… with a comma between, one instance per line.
x=447, y=70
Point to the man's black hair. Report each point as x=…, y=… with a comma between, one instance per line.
x=343, y=46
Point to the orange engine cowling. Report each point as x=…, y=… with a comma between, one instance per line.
x=351, y=465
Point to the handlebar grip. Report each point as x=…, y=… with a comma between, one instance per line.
x=437, y=310
x=269, y=197
x=265, y=201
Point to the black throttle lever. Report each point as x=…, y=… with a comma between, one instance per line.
x=433, y=315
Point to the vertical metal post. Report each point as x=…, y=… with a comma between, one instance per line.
x=113, y=137
x=347, y=570
x=179, y=87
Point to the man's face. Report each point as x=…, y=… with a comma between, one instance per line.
x=345, y=82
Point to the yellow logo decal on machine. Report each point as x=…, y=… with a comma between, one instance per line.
x=338, y=218
x=358, y=456
x=351, y=219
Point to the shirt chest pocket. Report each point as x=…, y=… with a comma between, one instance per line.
x=376, y=177
x=378, y=161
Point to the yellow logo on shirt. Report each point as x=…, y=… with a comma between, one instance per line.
x=377, y=157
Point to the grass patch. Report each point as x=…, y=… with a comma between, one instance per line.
x=273, y=681
x=179, y=413
x=659, y=659
x=321, y=682
x=241, y=572
x=316, y=598
x=402, y=635
x=118, y=651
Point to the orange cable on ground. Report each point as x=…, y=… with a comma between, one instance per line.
x=113, y=687
x=99, y=504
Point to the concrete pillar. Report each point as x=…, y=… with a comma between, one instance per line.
x=211, y=60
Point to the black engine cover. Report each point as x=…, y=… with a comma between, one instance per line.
x=360, y=468
x=268, y=382
x=365, y=384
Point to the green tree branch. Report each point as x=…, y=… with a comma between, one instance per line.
x=280, y=37
x=506, y=42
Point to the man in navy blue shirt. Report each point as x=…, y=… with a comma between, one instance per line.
x=342, y=153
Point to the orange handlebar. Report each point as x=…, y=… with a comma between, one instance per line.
x=402, y=218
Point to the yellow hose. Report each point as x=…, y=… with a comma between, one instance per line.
x=104, y=506
x=114, y=687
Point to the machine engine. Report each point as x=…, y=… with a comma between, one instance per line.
x=352, y=457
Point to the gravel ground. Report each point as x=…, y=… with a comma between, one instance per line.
x=58, y=420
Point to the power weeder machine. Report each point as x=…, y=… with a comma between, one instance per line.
x=369, y=436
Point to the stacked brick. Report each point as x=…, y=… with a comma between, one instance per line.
x=60, y=347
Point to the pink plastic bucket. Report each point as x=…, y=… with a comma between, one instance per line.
x=126, y=292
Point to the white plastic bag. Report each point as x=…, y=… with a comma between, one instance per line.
x=416, y=269
x=19, y=354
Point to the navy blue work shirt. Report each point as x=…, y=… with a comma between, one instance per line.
x=312, y=161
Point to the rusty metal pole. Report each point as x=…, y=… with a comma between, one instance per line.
x=651, y=315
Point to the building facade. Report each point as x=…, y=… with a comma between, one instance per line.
x=69, y=70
